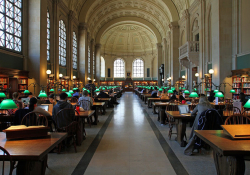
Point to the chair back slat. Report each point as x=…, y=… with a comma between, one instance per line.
x=5, y=156
x=34, y=119
x=237, y=119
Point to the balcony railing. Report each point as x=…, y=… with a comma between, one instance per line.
x=190, y=50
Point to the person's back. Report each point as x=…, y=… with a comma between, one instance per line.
x=65, y=118
x=102, y=95
x=85, y=102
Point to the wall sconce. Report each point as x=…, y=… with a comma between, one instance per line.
x=183, y=76
x=197, y=74
x=94, y=79
x=88, y=78
x=74, y=77
x=48, y=72
x=211, y=71
x=60, y=75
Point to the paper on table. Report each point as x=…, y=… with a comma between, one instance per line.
x=23, y=127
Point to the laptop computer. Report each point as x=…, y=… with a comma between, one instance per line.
x=184, y=110
x=45, y=107
x=25, y=100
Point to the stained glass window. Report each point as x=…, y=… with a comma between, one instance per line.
x=102, y=67
x=11, y=24
x=48, y=36
x=119, y=68
x=89, y=60
x=138, y=68
x=62, y=43
x=74, y=51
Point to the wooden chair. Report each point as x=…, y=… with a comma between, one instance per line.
x=171, y=121
x=231, y=110
x=74, y=100
x=71, y=128
x=86, y=105
x=34, y=119
x=4, y=158
x=237, y=119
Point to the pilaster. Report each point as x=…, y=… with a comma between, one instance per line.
x=98, y=62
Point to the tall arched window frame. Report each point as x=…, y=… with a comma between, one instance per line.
x=88, y=59
x=119, y=68
x=11, y=25
x=102, y=67
x=48, y=36
x=62, y=43
x=138, y=68
x=74, y=51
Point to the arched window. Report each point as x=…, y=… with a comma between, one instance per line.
x=138, y=68
x=74, y=51
x=48, y=36
x=11, y=25
x=102, y=67
x=119, y=68
x=62, y=43
x=89, y=60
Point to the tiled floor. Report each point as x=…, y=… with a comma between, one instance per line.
x=129, y=145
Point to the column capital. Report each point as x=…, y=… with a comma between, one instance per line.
x=83, y=26
x=186, y=14
x=173, y=25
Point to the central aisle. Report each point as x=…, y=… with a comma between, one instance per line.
x=129, y=145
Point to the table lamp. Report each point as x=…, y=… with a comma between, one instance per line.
x=247, y=104
x=186, y=92
x=216, y=90
x=179, y=88
x=69, y=94
x=74, y=89
x=71, y=91
x=218, y=95
x=7, y=104
x=26, y=92
x=42, y=94
x=2, y=95
x=195, y=89
x=170, y=91
x=63, y=90
x=51, y=90
x=193, y=95
x=160, y=89
x=97, y=90
x=183, y=88
x=172, y=88
x=232, y=91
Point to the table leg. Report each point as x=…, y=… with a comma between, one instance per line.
x=32, y=167
x=145, y=100
x=162, y=115
x=229, y=164
x=181, y=130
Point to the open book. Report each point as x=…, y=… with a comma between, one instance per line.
x=237, y=131
x=23, y=127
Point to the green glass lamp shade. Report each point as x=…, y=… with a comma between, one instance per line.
x=42, y=95
x=2, y=95
x=51, y=90
x=232, y=91
x=216, y=90
x=186, y=92
x=195, y=89
x=172, y=88
x=170, y=91
x=97, y=90
x=165, y=87
x=180, y=88
x=88, y=91
x=103, y=88
x=64, y=90
x=69, y=94
x=247, y=105
x=219, y=94
x=160, y=89
x=157, y=87
x=207, y=89
x=71, y=91
x=183, y=88
x=8, y=104
x=194, y=95
x=26, y=92
x=74, y=89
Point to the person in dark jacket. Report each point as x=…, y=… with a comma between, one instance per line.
x=102, y=94
x=154, y=93
x=173, y=97
x=63, y=104
x=211, y=97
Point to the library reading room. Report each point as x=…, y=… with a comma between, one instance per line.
x=124, y=87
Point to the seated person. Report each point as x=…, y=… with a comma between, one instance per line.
x=154, y=93
x=50, y=100
x=76, y=94
x=85, y=97
x=181, y=97
x=164, y=96
x=173, y=97
x=19, y=104
x=211, y=98
x=66, y=119
x=203, y=105
x=34, y=108
x=150, y=90
x=102, y=94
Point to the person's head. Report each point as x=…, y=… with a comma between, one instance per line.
x=30, y=95
x=155, y=88
x=15, y=95
x=33, y=103
x=63, y=96
x=203, y=99
x=51, y=98
x=85, y=93
x=90, y=81
x=59, y=91
x=202, y=95
x=77, y=90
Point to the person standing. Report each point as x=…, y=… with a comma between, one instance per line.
x=91, y=87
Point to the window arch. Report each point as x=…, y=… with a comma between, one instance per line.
x=119, y=68
x=138, y=68
x=62, y=43
x=102, y=67
x=74, y=51
x=48, y=36
x=11, y=25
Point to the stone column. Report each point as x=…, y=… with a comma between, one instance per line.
x=159, y=61
x=70, y=45
x=221, y=12
x=54, y=40
x=98, y=62
x=91, y=59
x=83, y=52
x=37, y=39
x=174, y=58
x=165, y=59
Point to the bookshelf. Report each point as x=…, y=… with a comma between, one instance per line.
x=22, y=86
x=64, y=84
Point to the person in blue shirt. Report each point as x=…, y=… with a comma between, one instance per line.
x=154, y=93
x=76, y=94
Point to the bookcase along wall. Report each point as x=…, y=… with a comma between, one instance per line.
x=241, y=82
